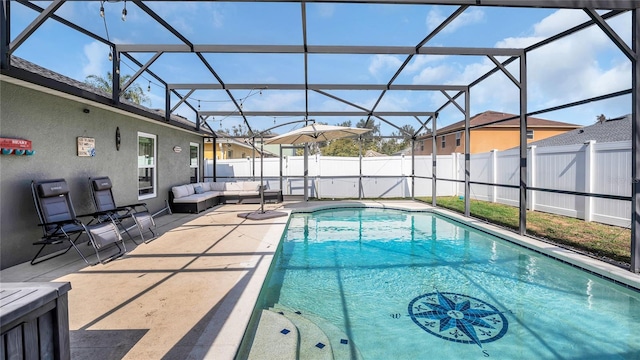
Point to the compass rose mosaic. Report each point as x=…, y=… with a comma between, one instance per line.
x=459, y=318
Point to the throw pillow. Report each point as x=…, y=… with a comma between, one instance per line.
x=198, y=189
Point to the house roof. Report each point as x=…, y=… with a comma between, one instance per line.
x=23, y=64
x=488, y=117
x=372, y=153
x=610, y=130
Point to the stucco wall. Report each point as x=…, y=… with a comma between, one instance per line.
x=53, y=124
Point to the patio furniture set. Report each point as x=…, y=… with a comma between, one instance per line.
x=194, y=198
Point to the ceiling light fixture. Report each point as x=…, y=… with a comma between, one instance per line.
x=102, y=9
x=149, y=86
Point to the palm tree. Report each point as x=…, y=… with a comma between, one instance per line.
x=134, y=92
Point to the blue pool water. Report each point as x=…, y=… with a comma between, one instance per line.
x=416, y=286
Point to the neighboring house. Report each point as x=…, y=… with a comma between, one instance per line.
x=228, y=148
x=372, y=153
x=407, y=151
x=500, y=136
x=605, y=130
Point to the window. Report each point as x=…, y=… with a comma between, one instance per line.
x=529, y=134
x=422, y=145
x=458, y=136
x=194, y=156
x=229, y=154
x=146, y=165
x=442, y=139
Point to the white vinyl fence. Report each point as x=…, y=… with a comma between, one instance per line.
x=591, y=168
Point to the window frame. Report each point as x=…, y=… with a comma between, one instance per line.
x=458, y=137
x=197, y=165
x=530, y=131
x=443, y=141
x=154, y=166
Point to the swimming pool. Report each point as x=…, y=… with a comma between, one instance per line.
x=416, y=285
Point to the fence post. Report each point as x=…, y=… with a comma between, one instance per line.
x=532, y=172
x=494, y=175
x=588, y=178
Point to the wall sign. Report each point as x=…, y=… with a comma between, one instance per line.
x=16, y=146
x=177, y=149
x=86, y=146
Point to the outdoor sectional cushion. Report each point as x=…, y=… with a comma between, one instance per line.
x=233, y=186
x=216, y=186
x=251, y=186
x=196, y=198
x=180, y=191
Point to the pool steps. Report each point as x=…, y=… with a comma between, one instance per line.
x=314, y=337
x=341, y=344
x=314, y=343
x=276, y=338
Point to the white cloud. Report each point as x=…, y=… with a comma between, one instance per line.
x=583, y=65
x=383, y=62
x=188, y=11
x=433, y=75
x=217, y=19
x=96, y=56
x=559, y=21
x=391, y=102
x=275, y=101
x=419, y=61
x=469, y=17
x=325, y=10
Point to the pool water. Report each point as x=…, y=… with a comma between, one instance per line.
x=407, y=285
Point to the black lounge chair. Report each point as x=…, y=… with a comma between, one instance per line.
x=60, y=223
x=105, y=204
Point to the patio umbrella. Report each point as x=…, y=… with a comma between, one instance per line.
x=316, y=133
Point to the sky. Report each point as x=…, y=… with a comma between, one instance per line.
x=583, y=65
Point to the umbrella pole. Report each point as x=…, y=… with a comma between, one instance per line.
x=306, y=172
x=261, y=177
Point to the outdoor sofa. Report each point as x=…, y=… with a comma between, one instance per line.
x=194, y=198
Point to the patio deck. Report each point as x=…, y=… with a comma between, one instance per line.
x=188, y=294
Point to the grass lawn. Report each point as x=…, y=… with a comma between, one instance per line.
x=603, y=241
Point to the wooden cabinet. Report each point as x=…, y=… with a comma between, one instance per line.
x=34, y=321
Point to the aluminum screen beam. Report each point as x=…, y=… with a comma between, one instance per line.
x=523, y=146
x=269, y=86
x=561, y=4
x=319, y=49
x=316, y=113
x=5, y=36
x=635, y=145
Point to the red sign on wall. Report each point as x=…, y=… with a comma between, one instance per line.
x=16, y=146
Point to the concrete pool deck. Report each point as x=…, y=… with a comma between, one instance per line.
x=189, y=294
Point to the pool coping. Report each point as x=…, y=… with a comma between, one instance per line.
x=586, y=263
